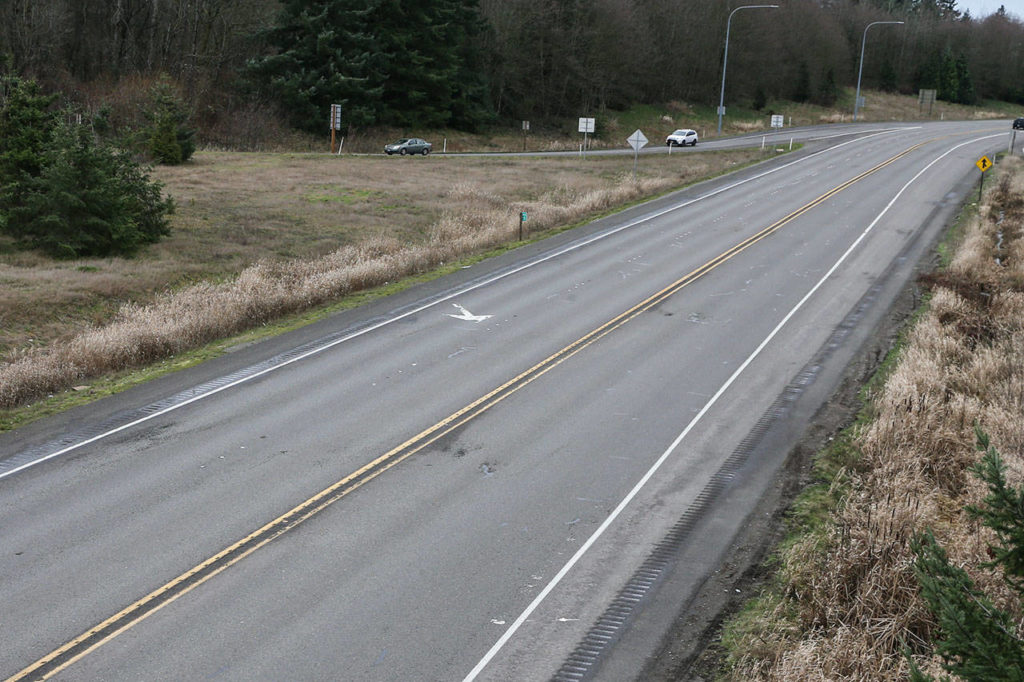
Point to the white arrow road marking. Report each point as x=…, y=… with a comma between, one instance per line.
x=468, y=316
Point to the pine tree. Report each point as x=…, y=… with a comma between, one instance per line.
x=760, y=98
x=887, y=78
x=965, y=84
x=948, y=78
x=977, y=642
x=828, y=90
x=1002, y=510
x=386, y=62
x=802, y=89
x=89, y=200
x=26, y=123
x=317, y=63
x=169, y=138
x=63, y=192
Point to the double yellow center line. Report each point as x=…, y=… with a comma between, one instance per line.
x=97, y=636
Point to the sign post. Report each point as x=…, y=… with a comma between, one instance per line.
x=983, y=165
x=926, y=97
x=526, y=129
x=335, y=122
x=637, y=141
x=586, y=126
x=522, y=219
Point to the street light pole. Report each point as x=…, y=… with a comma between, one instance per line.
x=725, y=60
x=860, y=70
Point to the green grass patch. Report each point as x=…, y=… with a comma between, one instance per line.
x=758, y=628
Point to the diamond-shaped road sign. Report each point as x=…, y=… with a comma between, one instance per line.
x=983, y=164
x=637, y=140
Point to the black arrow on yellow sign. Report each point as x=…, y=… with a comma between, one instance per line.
x=983, y=165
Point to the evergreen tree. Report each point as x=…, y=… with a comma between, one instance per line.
x=470, y=97
x=948, y=9
x=802, y=88
x=63, y=192
x=926, y=75
x=887, y=78
x=943, y=9
x=760, y=98
x=978, y=642
x=393, y=62
x=828, y=91
x=26, y=123
x=316, y=65
x=162, y=142
x=88, y=200
x=169, y=138
x=948, y=85
x=965, y=84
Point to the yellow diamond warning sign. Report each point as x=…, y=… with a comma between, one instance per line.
x=983, y=164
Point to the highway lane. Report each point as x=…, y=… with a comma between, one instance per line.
x=780, y=138
x=417, y=573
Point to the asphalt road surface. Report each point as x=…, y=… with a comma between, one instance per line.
x=519, y=472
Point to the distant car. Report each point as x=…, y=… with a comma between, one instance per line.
x=681, y=138
x=408, y=145
x=1018, y=124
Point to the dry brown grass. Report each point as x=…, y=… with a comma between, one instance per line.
x=885, y=106
x=260, y=236
x=851, y=601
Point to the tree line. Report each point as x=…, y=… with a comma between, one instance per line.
x=463, y=63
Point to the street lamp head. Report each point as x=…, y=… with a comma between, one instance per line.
x=754, y=7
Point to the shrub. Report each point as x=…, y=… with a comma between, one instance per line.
x=26, y=123
x=63, y=192
x=168, y=139
x=163, y=142
x=89, y=200
x=977, y=641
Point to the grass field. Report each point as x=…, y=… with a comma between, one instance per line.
x=259, y=235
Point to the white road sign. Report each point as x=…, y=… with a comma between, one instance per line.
x=586, y=125
x=637, y=140
x=777, y=120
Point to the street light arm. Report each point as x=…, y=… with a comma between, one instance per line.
x=725, y=58
x=860, y=69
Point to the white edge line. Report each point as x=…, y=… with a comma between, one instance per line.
x=689, y=427
x=460, y=292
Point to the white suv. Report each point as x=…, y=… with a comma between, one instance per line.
x=681, y=138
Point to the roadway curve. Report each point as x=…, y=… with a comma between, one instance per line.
x=522, y=471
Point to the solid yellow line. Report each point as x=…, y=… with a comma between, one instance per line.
x=391, y=458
